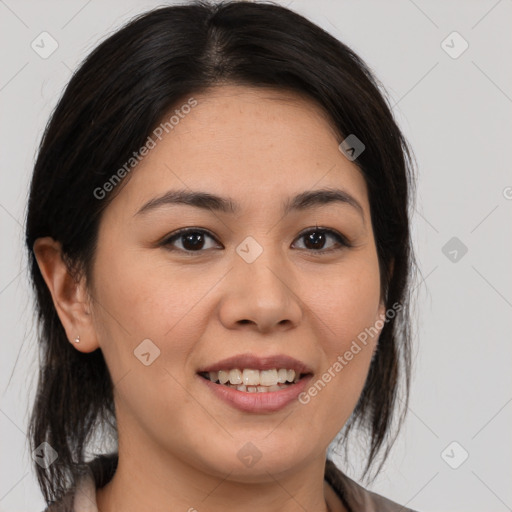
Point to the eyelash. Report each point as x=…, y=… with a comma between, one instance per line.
x=341, y=240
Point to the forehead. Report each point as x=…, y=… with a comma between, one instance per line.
x=252, y=144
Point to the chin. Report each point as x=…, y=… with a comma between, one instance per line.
x=259, y=459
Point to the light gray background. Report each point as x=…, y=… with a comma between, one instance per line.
x=457, y=116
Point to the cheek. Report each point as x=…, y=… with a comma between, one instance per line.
x=346, y=301
x=346, y=306
x=142, y=301
x=137, y=300
x=149, y=299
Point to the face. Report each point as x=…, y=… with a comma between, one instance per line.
x=273, y=283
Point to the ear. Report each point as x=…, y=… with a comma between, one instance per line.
x=381, y=311
x=70, y=297
x=383, y=300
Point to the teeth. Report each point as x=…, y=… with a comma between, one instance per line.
x=254, y=381
x=223, y=377
x=281, y=376
x=251, y=377
x=235, y=376
x=258, y=389
x=268, y=377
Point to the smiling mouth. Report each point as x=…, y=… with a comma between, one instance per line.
x=255, y=381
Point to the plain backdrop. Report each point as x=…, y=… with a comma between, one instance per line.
x=454, y=105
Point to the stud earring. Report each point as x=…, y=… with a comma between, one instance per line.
x=77, y=339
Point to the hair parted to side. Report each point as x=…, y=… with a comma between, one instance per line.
x=120, y=93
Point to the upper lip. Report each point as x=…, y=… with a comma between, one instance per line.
x=252, y=361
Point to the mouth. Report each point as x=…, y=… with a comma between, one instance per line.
x=256, y=384
x=251, y=380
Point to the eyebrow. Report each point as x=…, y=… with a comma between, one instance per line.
x=208, y=201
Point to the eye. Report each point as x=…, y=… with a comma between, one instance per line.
x=315, y=240
x=191, y=239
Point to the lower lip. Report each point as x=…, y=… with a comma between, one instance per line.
x=258, y=402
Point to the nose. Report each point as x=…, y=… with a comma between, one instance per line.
x=260, y=295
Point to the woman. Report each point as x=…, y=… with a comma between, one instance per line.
x=218, y=230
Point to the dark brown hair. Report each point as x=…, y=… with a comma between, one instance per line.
x=115, y=99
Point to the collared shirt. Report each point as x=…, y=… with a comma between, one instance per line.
x=82, y=498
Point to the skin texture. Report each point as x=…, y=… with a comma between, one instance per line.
x=178, y=442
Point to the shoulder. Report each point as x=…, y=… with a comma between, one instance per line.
x=356, y=497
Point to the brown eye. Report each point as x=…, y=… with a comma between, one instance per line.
x=192, y=240
x=195, y=240
x=315, y=240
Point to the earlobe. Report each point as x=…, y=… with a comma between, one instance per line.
x=69, y=296
x=379, y=323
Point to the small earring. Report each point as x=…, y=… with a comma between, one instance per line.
x=77, y=339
